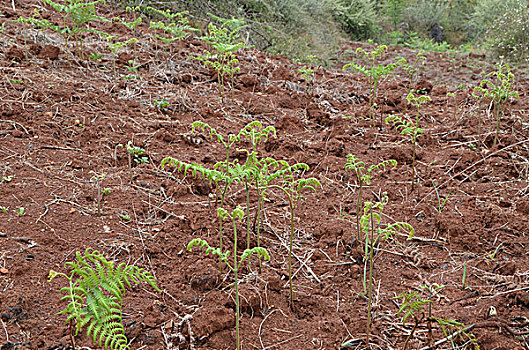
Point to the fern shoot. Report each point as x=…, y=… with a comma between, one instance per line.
x=95, y=293
x=293, y=186
x=234, y=216
x=363, y=177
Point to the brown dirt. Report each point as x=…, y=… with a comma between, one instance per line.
x=60, y=120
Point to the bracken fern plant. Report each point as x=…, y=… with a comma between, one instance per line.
x=95, y=293
x=363, y=176
x=174, y=26
x=499, y=87
x=410, y=128
x=374, y=72
x=235, y=215
x=293, y=185
x=76, y=15
x=375, y=230
x=224, y=41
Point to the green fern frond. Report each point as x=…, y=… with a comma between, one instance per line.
x=95, y=296
x=199, y=242
x=259, y=251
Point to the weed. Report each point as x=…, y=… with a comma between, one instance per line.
x=492, y=256
x=131, y=25
x=77, y=15
x=453, y=94
x=307, y=74
x=95, y=56
x=175, y=28
x=97, y=178
x=464, y=278
x=125, y=217
x=453, y=329
x=4, y=209
x=227, y=172
x=21, y=211
x=440, y=202
x=94, y=293
x=133, y=69
x=413, y=68
x=363, y=177
x=106, y=191
x=499, y=86
x=161, y=105
x=234, y=216
x=374, y=72
x=256, y=134
x=222, y=182
x=114, y=47
x=6, y=179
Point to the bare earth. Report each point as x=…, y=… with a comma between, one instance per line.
x=60, y=120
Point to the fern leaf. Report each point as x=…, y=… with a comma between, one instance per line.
x=119, y=342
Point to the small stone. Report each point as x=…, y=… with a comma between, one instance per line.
x=4, y=271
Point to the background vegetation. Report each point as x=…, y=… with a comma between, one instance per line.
x=302, y=28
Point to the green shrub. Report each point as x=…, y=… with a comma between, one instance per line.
x=358, y=17
x=486, y=12
x=393, y=10
x=508, y=35
x=421, y=15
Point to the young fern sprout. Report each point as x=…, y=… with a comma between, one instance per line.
x=244, y=174
x=234, y=216
x=363, y=177
x=131, y=25
x=175, y=26
x=307, y=73
x=374, y=230
x=432, y=289
x=374, y=72
x=95, y=293
x=252, y=131
x=499, y=87
x=413, y=68
x=137, y=154
x=293, y=189
x=221, y=180
x=224, y=42
x=115, y=47
x=256, y=134
x=410, y=128
x=79, y=14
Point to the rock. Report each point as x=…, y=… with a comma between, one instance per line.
x=50, y=52
x=210, y=320
x=14, y=54
x=436, y=32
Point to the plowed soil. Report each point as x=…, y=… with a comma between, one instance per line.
x=62, y=118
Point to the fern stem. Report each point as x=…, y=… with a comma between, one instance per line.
x=247, y=215
x=358, y=200
x=223, y=196
x=370, y=282
x=236, y=273
x=258, y=218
